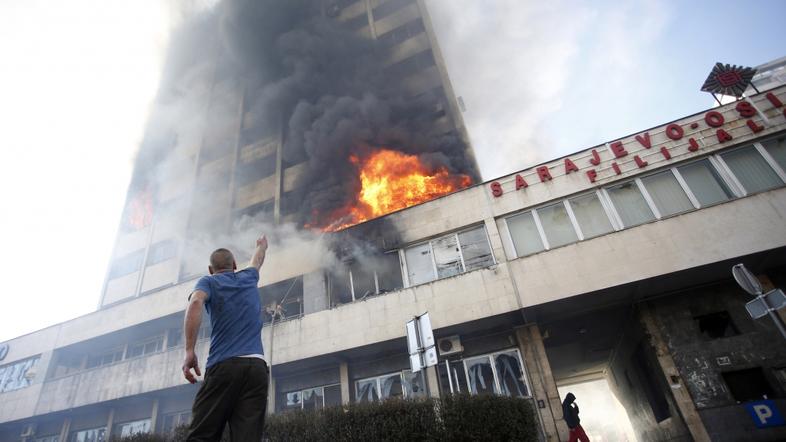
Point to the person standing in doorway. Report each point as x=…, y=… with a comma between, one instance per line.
x=570, y=412
x=236, y=377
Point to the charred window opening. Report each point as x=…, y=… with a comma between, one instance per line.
x=314, y=398
x=716, y=325
x=282, y=300
x=340, y=289
x=263, y=210
x=255, y=170
x=748, y=385
x=365, y=277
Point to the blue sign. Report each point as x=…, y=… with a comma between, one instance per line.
x=765, y=414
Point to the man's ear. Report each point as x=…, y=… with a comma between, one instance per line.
x=234, y=265
x=210, y=269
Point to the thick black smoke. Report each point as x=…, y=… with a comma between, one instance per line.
x=300, y=71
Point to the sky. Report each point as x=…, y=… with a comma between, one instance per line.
x=539, y=80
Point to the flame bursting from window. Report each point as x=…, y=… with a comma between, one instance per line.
x=139, y=212
x=390, y=181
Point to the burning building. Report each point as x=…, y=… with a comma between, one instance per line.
x=612, y=263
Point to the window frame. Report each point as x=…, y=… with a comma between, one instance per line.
x=302, y=390
x=378, y=379
x=738, y=188
x=490, y=357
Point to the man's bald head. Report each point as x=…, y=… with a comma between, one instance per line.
x=221, y=260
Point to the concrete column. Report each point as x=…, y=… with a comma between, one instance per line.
x=65, y=429
x=343, y=373
x=681, y=395
x=271, y=396
x=154, y=416
x=432, y=381
x=544, y=388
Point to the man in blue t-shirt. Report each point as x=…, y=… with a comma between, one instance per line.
x=236, y=376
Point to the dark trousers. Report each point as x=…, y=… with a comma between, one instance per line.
x=234, y=391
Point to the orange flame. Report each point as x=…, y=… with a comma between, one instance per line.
x=390, y=181
x=139, y=212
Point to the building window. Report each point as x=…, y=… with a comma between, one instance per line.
x=104, y=358
x=388, y=8
x=590, y=215
x=404, y=32
x=402, y=384
x=173, y=420
x=18, y=374
x=748, y=385
x=777, y=150
x=557, y=225
x=131, y=428
x=705, y=183
x=496, y=373
x=524, y=233
x=52, y=438
x=630, y=204
x=174, y=337
x=127, y=265
x=716, y=325
x=145, y=347
x=161, y=251
x=751, y=170
x=448, y=255
x=313, y=398
x=667, y=193
x=282, y=300
x=91, y=435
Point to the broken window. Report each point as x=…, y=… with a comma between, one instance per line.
x=17, y=375
x=91, y=435
x=413, y=384
x=367, y=390
x=480, y=375
x=129, y=429
x=389, y=272
x=339, y=287
x=452, y=377
x=420, y=266
x=716, y=325
x=448, y=255
x=363, y=281
x=475, y=249
x=282, y=300
x=496, y=373
x=401, y=384
x=748, y=385
x=510, y=374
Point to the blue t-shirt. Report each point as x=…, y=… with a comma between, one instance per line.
x=234, y=308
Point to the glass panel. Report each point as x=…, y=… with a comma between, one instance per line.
x=475, y=249
x=367, y=390
x=391, y=386
x=363, y=280
x=174, y=338
x=419, y=265
x=134, y=350
x=556, y=225
x=590, y=215
x=705, y=183
x=340, y=291
x=294, y=400
x=481, y=376
x=526, y=238
x=93, y=435
x=446, y=254
x=511, y=376
x=666, y=193
x=136, y=427
x=313, y=398
x=751, y=170
x=332, y=395
x=630, y=204
x=389, y=272
x=414, y=385
x=777, y=150
x=13, y=377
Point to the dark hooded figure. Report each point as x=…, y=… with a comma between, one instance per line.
x=570, y=412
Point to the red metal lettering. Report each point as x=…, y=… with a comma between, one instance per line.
x=644, y=140
x=617, y=149
x=595, y=160
x=616, y=168
x=496, y=189
x=755, y=128
x=591, y=174
x=639, y=162
x=745, y=109
x=570, y=166
x=714, y=119
x=723, y=136
x=665, y=152
x=774, y=100
x=674, y=131
x=520, y=182
x=693, y=145
x=543, y=173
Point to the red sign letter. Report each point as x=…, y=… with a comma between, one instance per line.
x=745, y=109
x=665, y=152
x=591, y=174
x=520, y=183
x=616, y=168
x=714, y=119
x=723, y=136
x=639, y=161
x=543, y=173
x=496, y=189
x=694, y=146
x=595, y=160
x=674, y=131
x=617, y=149
x=570, y=166
x=754, y=127
x=774, y=100
x=644, y=140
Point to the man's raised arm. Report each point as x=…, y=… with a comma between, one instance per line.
x=190, y=330
x=259, y=253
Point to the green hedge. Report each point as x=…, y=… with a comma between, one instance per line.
x=453, y=418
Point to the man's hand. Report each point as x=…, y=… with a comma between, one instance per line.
x=189, y=363
x=262, y=242
x=259, y=253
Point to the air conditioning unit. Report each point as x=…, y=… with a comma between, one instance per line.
x=28, y=430
x=450, y=345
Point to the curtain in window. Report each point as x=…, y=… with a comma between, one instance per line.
x=137, y=427
x=391, y=386
x=419, y=265
x=751, y=170
x=590, y=215
x=556, y=225
x=525, y=235
x=777, y=150
x=511, y=376
x=294, y=399
x=446, y=255
x=475, y=249
x=630, y=204
x=481, y=376
x=705, y=183
x=666, y=193
x=413, y=384
x=367, y=391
